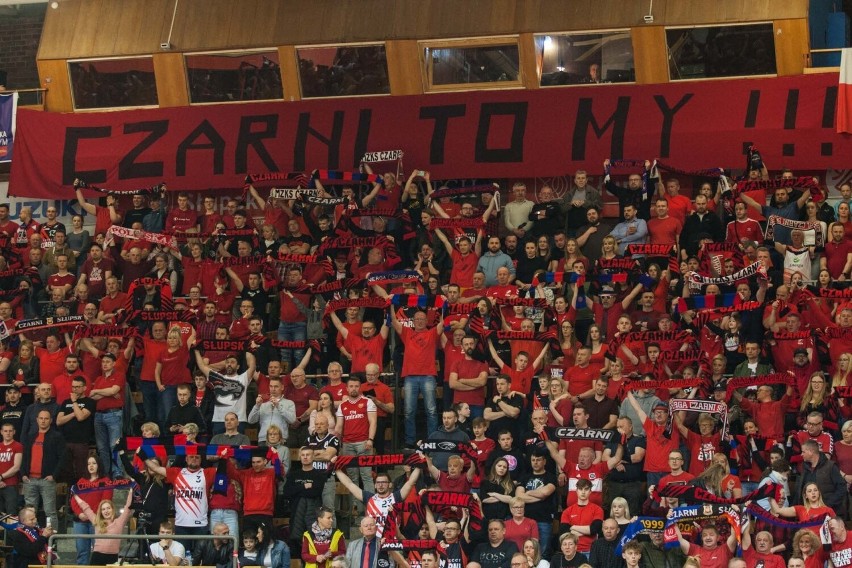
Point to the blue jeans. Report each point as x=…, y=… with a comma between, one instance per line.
x=107, y=434
x=151, y=401
x=476, y=411
x=168, y=399
x=414, y=385
x=654, y=477
x=749, y=486
x=545, y=531
x=227, y=516
x=190, y=544
x=296, y=331
x=84, y=547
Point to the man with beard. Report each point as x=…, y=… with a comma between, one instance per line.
x=468, y=378
x=230, y=388
x=591, y=235
x=379, y=505
x=326, y=447
x=633, y=195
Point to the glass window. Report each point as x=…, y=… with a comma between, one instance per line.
x=721, y=51
x=453, y=64
x=574, y=59
x=111, y=83
x=226, y=77
x=343, y=71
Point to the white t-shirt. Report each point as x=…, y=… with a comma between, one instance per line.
x=230, y=394
x=159, y=554
x=190, y=489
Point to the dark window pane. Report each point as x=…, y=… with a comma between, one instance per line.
x=723, y=51
x=225, y=77
x=343, y=71
x=573, y=59
x=113, y=83
x=467, y=65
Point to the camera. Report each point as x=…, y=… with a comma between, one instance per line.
x=143, y=518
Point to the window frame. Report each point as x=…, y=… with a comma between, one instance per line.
x=538, y=68
x=69, y=62
x=383, y=44
x=427, y=66
x=252, y=51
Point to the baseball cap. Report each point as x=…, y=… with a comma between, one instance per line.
x=661, y=404
x=607, y=290
x=800, y=351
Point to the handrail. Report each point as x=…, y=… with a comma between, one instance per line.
x=52, y=537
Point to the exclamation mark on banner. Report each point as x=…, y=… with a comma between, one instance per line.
x=751, y=117
x=789, y=149
x=829, y=106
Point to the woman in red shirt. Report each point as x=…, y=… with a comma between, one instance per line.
x=813, y=508
x=807, y=546
x=172, y=369
x=519, y=528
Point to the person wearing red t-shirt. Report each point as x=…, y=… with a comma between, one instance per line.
x=468, y=378
x=171, y=370
x=585, y=469
x=182, y=217
x=711, y=553
x=813, y=508
x=95, y=271
x=678, y=204
x=108, y=391
x=356, y=429
x=702, y=446
x=768, y=414
x=419, y=371
x=295, y=303
x=335, y=387
x=659, y=445
x=455, y=478
x=382, y=397
x=259, y=485
x=305, y=397
x=105, y=217
x=743, y=228
x=837, y=256
x=11, y=456
x=465, y=258
x=583, y=518
x=664, y=229
x=523, y=372
x=364, y=347
x=569, y=450
x=841, y=543
x=677, y=475
x=761, y=553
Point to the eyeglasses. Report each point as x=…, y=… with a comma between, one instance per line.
x=814, y=423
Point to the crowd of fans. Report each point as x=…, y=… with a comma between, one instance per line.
x=539, y=321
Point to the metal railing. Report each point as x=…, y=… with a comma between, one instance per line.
x=232, y=537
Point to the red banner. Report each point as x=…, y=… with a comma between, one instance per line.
x=485, y=134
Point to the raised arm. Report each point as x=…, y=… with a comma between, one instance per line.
x=259, y=201
x=635, y=404
x=347, y=483
x=84, y=205
x=443, y=238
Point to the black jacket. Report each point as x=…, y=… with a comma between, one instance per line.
x=205, y=554
x=53, y=453
x=828, y=478
x=25, y=551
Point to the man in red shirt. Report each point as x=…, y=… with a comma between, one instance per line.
x=583, y=518
x=761, y=553
x=768, y=414
x=295, y=299
x=581, y=376
x=182, y=217
x=380, y=394
x=678, y=204
x=419, y=371
x=837, y=257
x=365, y=347
x=11, y=456
x=468, y=378
x=841, y=543
x=659, y=446
x=62, y=278
x=62, y=382
x=712, y=555
x=306, y=399
x=113, y=301
x=95, y=271
x=677, y=475
x=585, y=469
x=108, y=391
x=105, y=217
x=259, y=484
x=356, y=429
x=743, y=228
x=664, y=229
x=335, y=387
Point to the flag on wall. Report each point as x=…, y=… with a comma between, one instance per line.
x=844, y=93
x=8, y=108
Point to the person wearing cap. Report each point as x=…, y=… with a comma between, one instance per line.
x=108, y=392
x=660, y=444
x=607, y=310
x=155, y=220
x=13, y=411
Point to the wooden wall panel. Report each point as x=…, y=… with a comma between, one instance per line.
x=172, y=89
x=527, y=61
x=792, y=46
x=88, y=28
x=650, y=55
x=404, y=75
x=289, y=73
x=54, y=78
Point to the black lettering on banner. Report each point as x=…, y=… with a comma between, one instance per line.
x=248, y=138
x=586, y=118
x=73, y=135
x=829, y=106
x=215, y=142
x=300, y=148
x=791, y=110
x=668, y=121
x=441, y=116
x=128, y=168
x=362, y=135
x=751, y=111
x=515, y=151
